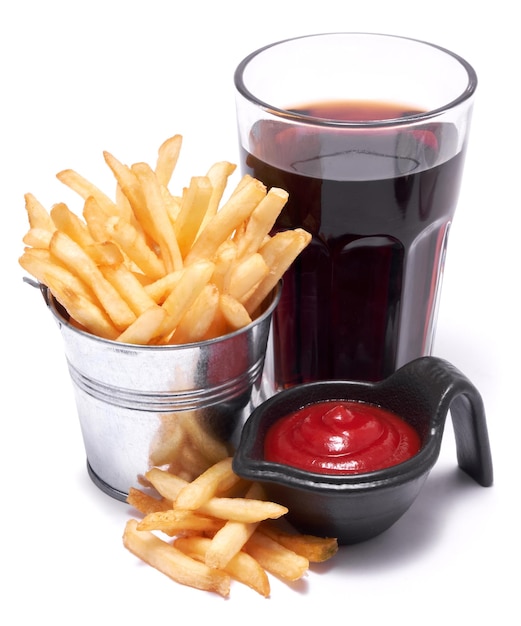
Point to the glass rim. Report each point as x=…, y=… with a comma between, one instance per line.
x=292, y=116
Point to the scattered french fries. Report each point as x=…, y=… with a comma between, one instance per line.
x=188, y=534
x=152, y=267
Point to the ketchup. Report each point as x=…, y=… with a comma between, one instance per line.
x=341, y=438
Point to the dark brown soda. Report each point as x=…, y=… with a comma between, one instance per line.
x=360, y=301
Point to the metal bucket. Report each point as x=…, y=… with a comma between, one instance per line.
x=179, y=406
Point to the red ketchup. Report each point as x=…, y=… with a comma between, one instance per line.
x=341, y=438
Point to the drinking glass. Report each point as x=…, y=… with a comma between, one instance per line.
x=368, y=134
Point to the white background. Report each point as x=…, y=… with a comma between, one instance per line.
x=78, y=78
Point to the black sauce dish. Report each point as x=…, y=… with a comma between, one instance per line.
x=357, y=507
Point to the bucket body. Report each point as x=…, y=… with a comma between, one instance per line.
x=180, y=406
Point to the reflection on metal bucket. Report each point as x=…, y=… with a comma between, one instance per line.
x=179, y=406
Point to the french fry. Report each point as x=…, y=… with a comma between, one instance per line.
x=238, y=490
x=145, y=328
x=210, y=447
x=70, y=224
x=279, y=253
x=218, y=175
x=166, y=484
x=37, y=214
x=245, y=181
x=146, y=503
x=184, y=294
x=205, y=486
x=159, y=289
x=223, y=259
x=40, y=253
x=194, y=206
x=176, y=446
x=167, y=157
x=129, y=287
x=246, y=510
x=261, y=221
x=241, y=567
x=173, y=521
x=135, y=246
x=186, y=444
x=152, y=212
x=74, y=257
x=101, y=252
x=41, y=264
x=105, y=253
x=230, y=539
x=195, y=323
x=168, y=441
x=219, y=326
x=172, y=204
x=82, y=309
x=227, y=542
x=38, y=238
x=275, y=558
x=235, y=314
x=189, y=462
x=86, y=190
x=143, y=278
x=125, y=210
x=174, y=563
x=244, y=275
x=239, y=231
x=97, y=218
x=315, y=549
x=221, y=226
x=131, y=189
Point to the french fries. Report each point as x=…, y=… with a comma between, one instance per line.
x=218, y=544
x=154, y=267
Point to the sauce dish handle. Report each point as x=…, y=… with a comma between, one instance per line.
x=450, y=390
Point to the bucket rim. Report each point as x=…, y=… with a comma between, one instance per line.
x=62, y=318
